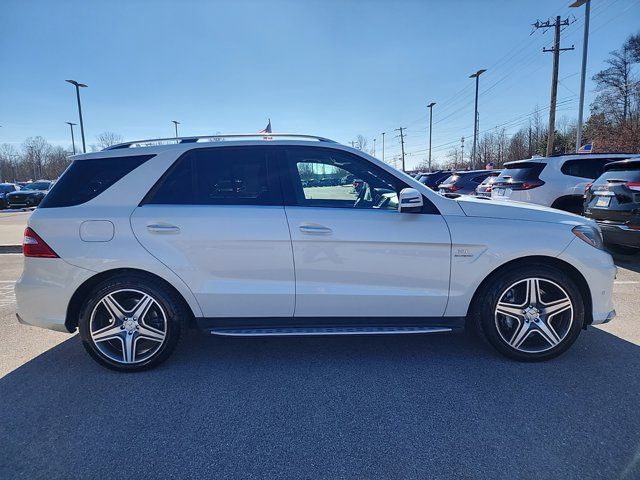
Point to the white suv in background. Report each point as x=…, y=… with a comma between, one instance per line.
x=256, y=238
x=557, y=181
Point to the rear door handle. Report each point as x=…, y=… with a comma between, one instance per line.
x=163, y=228
x=315, y=229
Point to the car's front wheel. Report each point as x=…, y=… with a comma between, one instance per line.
x=531, y=314
x=129, y=323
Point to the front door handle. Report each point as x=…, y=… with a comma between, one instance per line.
x=315, y=229
x=163, y=228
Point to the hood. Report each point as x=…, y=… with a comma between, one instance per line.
x=511, y=210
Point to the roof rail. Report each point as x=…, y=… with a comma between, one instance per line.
x=214, y=138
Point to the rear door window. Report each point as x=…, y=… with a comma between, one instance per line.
x=219, y=176
x=86, y=179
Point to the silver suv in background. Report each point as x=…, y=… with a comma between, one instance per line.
x=558, y=181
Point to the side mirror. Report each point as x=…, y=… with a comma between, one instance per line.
x=410, y=201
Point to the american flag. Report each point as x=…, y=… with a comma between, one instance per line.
x=266, y=129
x=587, y=148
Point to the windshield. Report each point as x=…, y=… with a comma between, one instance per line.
x=7, y=188
x=38, y=186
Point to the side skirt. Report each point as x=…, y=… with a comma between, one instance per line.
x=252, y=327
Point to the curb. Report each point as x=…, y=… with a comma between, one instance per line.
x=10, y=249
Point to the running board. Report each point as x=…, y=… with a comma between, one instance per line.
x=298, y=331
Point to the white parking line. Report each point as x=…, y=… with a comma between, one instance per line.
x=7, y=295
x=625, y=282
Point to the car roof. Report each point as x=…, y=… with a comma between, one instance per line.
x=570, y=156
x=629, y=164
x=179, y=148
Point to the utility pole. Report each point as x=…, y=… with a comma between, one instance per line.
x=374, y=146
x=73, y=142
x=554, y=79
x=401, y=137
x=175, y=124
x=585, y=46
x=461, y=151
x=383, y=134
x=475, y=117
x=430, y=107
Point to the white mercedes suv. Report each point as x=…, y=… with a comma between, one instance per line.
x=248, y=237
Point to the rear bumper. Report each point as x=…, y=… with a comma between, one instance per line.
x=620, y=234
x=44, y=290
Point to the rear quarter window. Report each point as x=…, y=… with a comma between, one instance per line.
x=86, y=179
x=590, y=168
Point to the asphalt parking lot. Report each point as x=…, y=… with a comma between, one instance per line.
x=428, y=406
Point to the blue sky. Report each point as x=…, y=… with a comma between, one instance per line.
x=332, y=68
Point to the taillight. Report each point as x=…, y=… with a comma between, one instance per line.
x=633, y=186
x=488, y=188
x=531, y=184
x=34, y=246
x=453, y=187
x=587, y=187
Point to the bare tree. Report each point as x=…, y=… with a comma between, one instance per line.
x=361, y=143
x=35, y=150
x=106, y=139
x=615, y=85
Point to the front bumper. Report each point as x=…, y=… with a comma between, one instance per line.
x=44, y=290
x=598, y=269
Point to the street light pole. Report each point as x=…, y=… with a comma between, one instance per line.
x=430, y=106
x=73, y=142
x=374, y=146
x=585, y=45
x=175, y=124
x=475, y=118
x=78, y=85
x=383, y=134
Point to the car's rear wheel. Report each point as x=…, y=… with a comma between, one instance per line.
x=129, y=323
x=531, y=314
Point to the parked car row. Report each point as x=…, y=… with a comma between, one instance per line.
x=604, y=186
x=23, y=195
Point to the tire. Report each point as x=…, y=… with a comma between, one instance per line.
x=528, y=327
x=131, y=323
x=623, y=249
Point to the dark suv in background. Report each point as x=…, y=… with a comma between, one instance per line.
x=463, y=182
x=434, y=179
x=30, y=195
x=613, y=200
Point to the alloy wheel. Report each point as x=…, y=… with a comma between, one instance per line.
x=128, y=326
x=534, y=315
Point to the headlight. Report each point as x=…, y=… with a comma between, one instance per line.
x=589, y=234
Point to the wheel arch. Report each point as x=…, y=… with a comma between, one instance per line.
x=78, y=297
x=565, y=267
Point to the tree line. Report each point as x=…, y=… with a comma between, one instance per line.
x=36, y=159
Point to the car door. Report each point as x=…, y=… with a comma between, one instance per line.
x=217, y=220
x=355, y=255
